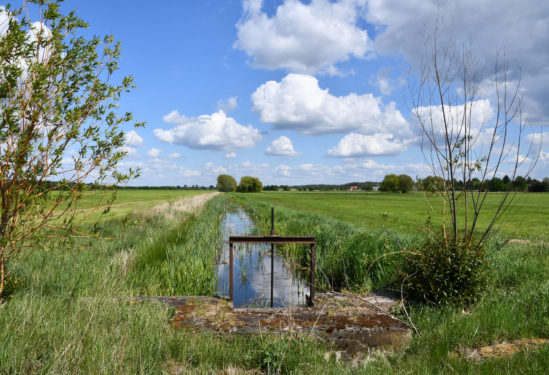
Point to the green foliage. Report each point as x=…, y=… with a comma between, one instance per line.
x=390, y=183
x=226, y=183
x=282, y=355
x=441, y=271
x=70, y=313
x=344, y=252
x=432, y=184
x=394, y=183
x=181, y=261
x=58, y=102
x=405, y=183
x=249, y=184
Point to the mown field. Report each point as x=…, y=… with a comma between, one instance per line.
x=70, y=311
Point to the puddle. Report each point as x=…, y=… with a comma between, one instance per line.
x=252, y=269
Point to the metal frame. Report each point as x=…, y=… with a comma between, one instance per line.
x=274, y=239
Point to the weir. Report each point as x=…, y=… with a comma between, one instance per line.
x=252, y=274
x=355, y=324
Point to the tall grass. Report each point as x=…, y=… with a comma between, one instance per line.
x=182, y=261
x=348, y=256
x=70, y=312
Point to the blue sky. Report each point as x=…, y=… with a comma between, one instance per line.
x=299, y=92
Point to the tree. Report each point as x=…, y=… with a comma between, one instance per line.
x=60, y=130
x=405, y=183
x=432, y=184
x=250, y=184
x=464, y=136
x=390, y=183
x=226, y=183
x=456, y=143
x=519, y=183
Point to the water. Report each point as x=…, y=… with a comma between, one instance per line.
x=252, y=270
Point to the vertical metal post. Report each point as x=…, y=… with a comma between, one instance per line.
x=272, y=252
x=231, y=271
x=313, y=279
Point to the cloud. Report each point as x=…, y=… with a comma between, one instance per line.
x=282, y=146
x=212, y=169
x=481, y=113
x=538, y=139
x=133, y=139
x=365, y=170
x=230, y=155
x=353, y=145
x=384, y=83
x=228, y=105
x=401, y=26
x=208, y=132
x=174, y=155
x=130, y=151
x=154, y=152
x=298, y=103
x=188, y=172
x=305, y=38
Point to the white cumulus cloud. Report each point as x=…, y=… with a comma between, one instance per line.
x=539, y=139
x=208, y=132
x=133, y=139
x=174, y=155
x=353, y=145
x=130, y=151
x=487, y=25
x=230, y=155
x=228, y=105
x=302, y=37
x=154, y=152
x=298, y=103
x=282, y=146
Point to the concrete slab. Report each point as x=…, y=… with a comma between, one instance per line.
x=354, y=323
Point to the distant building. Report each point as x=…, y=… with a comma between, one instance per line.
x=353, y=188
x=376, y=188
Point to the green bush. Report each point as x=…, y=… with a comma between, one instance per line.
x=441, y=271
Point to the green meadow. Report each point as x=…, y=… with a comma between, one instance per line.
x=70, y=311
x=527, y=218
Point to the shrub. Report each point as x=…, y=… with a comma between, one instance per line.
x=441, y=271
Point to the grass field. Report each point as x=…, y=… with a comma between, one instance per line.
x=528, y=218
x=69, y=311
x=128, y=201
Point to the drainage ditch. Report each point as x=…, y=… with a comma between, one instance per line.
x=252, y=269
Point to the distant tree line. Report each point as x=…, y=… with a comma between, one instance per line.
x=367, y=186
x=391, y=183
x=495, y=184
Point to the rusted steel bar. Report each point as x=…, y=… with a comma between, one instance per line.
x=272, y=239
x=272, y=252
x=272, y=272
x=312, y=276
x=272, y=221
x=231, y=271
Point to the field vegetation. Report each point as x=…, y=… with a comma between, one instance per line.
x=70, y=309
x=406, y=213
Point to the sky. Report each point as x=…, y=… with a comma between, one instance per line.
x=301, y=92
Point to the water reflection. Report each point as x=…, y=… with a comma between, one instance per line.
x=252, y=269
